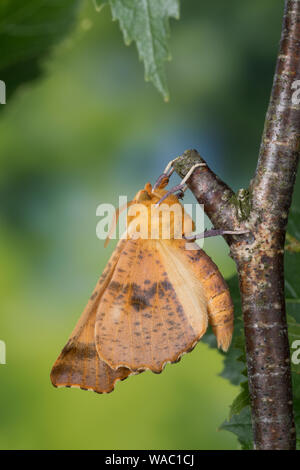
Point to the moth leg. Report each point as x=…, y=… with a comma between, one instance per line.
x=182, y=187
x=214, y=233
x=168, y=171
x=169, y=168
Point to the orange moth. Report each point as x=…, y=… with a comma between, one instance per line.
x=151, y=305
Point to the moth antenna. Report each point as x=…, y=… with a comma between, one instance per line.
x=161, y=182
x=182, y=187
x=115, y=221
x=191, y=171
x=214, y=233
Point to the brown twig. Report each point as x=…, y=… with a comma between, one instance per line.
x=259, y=256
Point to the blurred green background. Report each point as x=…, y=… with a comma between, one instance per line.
x=84, y=132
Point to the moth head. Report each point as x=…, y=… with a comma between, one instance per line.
x=164, y=221
x=149, y=196
x=144, y=194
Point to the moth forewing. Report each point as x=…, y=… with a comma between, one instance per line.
x=79, y=365
x=153, y=311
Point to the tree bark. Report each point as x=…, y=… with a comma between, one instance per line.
x=263, y=209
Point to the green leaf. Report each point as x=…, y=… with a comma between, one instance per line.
x=240, y=425
x=292, y=287
x=147, y=23
x=294, y=223
x=235, y=371
x=296, y=390
x=234, y=359
x=292, y=264
x=241, y=401
x=294, y=340
x=28, y=31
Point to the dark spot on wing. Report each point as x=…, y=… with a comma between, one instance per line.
x=94, y=295
x=166, y=285
x=116, y=286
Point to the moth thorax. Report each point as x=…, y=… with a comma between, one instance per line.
x=164, y=222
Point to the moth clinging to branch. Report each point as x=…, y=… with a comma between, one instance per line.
x=152, y=303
